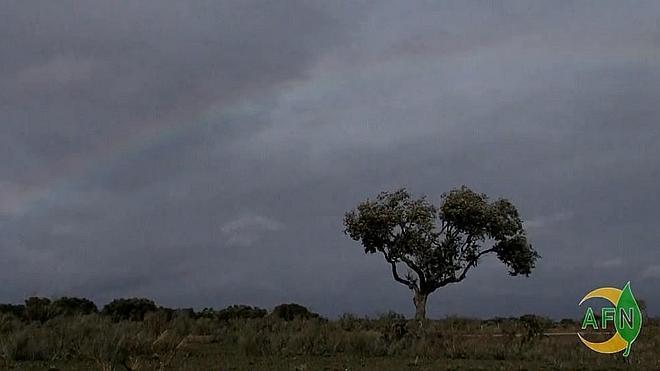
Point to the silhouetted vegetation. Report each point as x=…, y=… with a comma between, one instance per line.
x=136, y=334
x=37, y=309
x=132, y=309
x=66, y=306
x=14, y=309
x=289, y=312
x=241, y=312
x=440, y=245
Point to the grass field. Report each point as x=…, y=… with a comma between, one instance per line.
x=164, y=342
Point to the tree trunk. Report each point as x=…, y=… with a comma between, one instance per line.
x=420, y=305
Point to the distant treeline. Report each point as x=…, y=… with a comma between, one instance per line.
x=40, y=309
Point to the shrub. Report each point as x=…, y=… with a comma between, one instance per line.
x=391, y=316
x=71, y=306
x=289, y=312
x=349, y=322
x=132, y=309
x=157, y=321
x=37, y=309
x=9, y=323
x=184, y=312
x=111, y=345
x=17, y=310
x=207, y=313
x=241, y=312
x=567, y=322
x=534, y=324
x=534, y=328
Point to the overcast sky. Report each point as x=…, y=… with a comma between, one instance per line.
x=204, y=153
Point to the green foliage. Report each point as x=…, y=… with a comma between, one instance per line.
x=240, y=312
x=534, y=327
x=16, y=310
x=289, y=312
x=439, y=245
x=349, y=322
x=70, y=306
x=207, y=313
x=37, y=309
x=133, y=309
x=183, y=312
x=391, y=316
x=568, y=322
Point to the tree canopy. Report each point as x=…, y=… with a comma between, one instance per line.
x=439, y=245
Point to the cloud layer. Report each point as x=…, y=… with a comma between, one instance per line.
x=204, y=154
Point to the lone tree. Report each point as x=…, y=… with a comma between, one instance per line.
x=440, y=245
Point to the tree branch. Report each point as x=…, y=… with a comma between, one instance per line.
x=417, y=269
x=461, y=277
x=403, y=258
x=443, y=226
x=409, y=262
x=469, y=241
x=398, y=278
x=410, y=284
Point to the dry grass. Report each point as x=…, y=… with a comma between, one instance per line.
x=94, y=342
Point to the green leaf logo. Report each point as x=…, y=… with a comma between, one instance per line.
x=628, y=318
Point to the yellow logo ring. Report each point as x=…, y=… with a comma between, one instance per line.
x=616, y=343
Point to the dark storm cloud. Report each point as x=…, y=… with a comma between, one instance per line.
x=204, y=154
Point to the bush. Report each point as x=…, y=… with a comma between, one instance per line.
x=184, y=312
x=207, y=313
x=391, y=316
x=534, y=326
x=349, y=322
x=241, y=312
x=567, y=322
x=70, y=306
x=289, y=312
x=17, y=310
x=37, y=309
x=132, y=309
